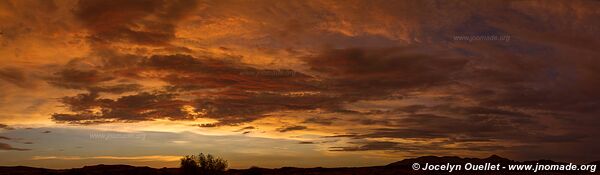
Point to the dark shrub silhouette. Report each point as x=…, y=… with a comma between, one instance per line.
x=189, y=165
x=203, y=165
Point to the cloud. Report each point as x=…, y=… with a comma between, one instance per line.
x=474, y=128
x=390, y=72
x=185, y=72
x=237, y=91
x=129, y=158
x=207, y=125
x=370, y=73
x=138, y=107
x=416, y=148
x=234, y=93
x=15, y=76
x=116, y=89
x=275, y=91
x=17, y=140
x=245, y=128
x=4, y=146
x=291, y=128
x=91, y=80
x=3, y=126
x=139, y=21
x=371, y=146
x=78, y=79
x=321, y=121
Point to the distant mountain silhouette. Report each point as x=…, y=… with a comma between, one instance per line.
x=90, y=170
x=396, y=168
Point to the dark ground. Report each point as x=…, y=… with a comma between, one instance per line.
x=400, y=167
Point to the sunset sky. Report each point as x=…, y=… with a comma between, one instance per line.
x=297, y=83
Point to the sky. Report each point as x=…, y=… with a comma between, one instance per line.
x=311, y=83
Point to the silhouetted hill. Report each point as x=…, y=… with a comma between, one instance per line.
x=90, y=170
x=26, y=170
x=400, y=167
x=120, y=169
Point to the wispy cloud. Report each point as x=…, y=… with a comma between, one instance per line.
x=4, y=146
x=163, y=158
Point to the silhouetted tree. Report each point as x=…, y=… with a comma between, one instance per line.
x=189, y=165
x=203, y=165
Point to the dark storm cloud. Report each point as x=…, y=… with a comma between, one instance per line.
x=321, y=121
x=78, y=79
x=554, y=81
x=248, y=93
x=248, y=107
x=414, y=148
x=517, y=87
x=3, y=126
x=4, y=146
x=245, y=128
x=83, y=102
x=190, y=73
x=411, y=109
x=146, y=22
x=364, y=72
x=466, y=124
x=291, y=128
x=116, y=89
x=16, y=140
x=250, y=96
x=14, y=75
x=91, y=80
x=367, y=121
x=207, y=125
x=105, y=79
x=129, y=108
x=541, y=87
x=370, y=146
